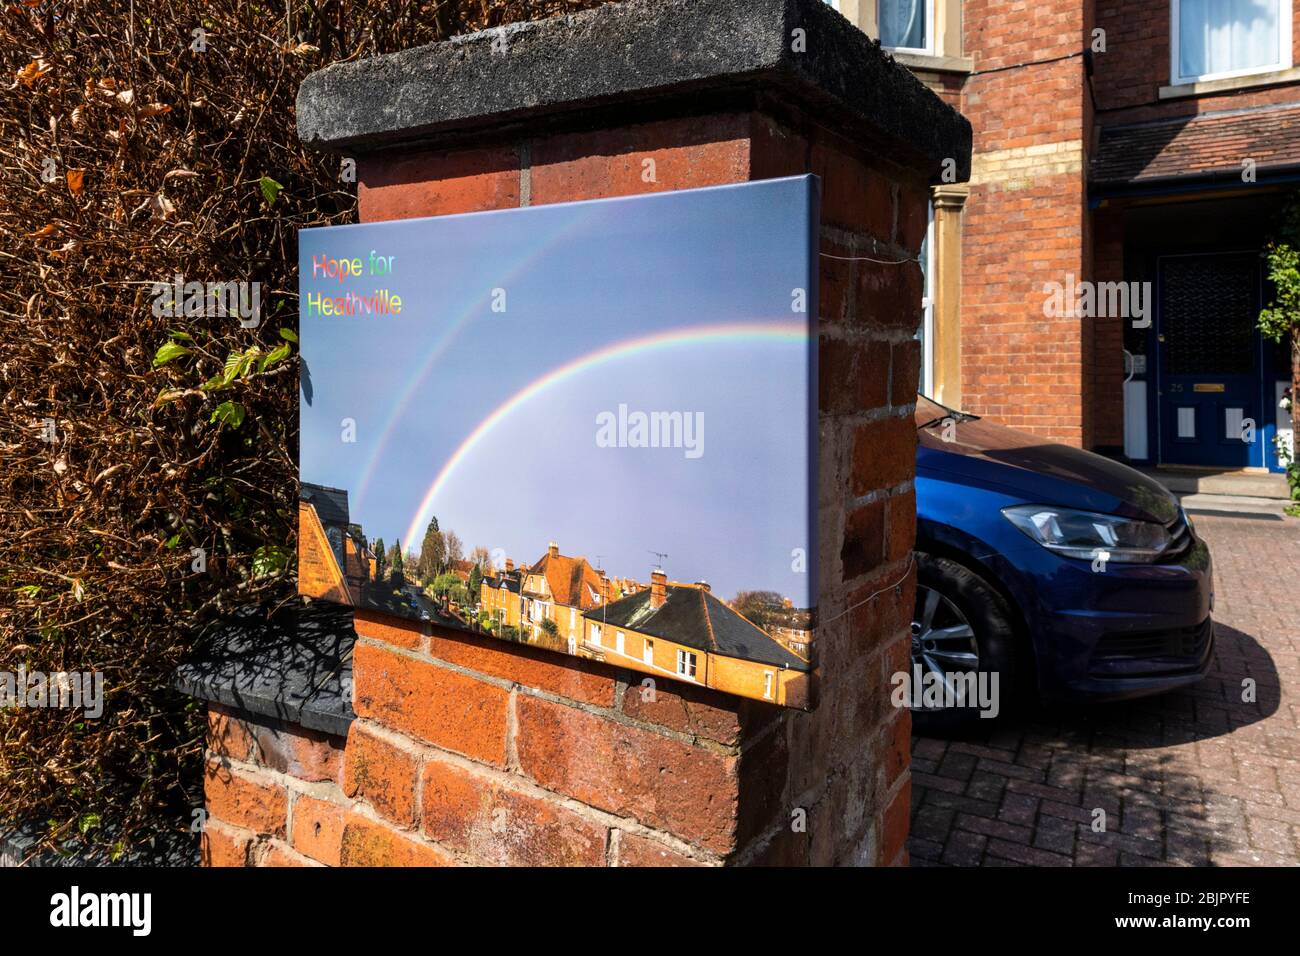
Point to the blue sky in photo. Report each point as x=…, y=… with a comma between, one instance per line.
x=579, y=279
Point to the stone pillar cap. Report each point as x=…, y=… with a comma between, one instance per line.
x=632, y=57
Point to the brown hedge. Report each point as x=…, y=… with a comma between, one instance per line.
x=131, y=156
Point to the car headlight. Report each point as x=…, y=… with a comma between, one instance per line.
x=1086, y=534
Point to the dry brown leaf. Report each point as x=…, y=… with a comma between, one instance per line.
x=32, y=72
x=76, y=180
x=155, y=109
x=48, y=229
x=160, y=207
x=181, y=174
x=299, y=49
x=77, y=118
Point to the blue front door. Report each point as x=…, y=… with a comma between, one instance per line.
x=1209, y=359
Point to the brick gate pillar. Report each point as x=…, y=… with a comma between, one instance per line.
x=469, y=750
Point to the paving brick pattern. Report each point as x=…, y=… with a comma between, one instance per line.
x=1192, y=778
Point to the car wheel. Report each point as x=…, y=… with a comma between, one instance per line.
x=961, y=627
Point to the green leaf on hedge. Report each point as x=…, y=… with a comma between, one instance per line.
x=289, y=335
x=269, y=559
x=228, y=413
x=281, y=351
x=168, y=351
x=270, y=188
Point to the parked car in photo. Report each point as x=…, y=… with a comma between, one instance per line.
x=1069, y=575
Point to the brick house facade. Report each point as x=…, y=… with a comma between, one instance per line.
x=1134, y=141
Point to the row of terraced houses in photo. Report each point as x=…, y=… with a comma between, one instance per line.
x=665, y=628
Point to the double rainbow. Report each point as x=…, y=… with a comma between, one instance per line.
x=787, y=331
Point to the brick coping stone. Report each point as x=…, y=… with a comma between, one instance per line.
x=295, y=667
x=642, y=55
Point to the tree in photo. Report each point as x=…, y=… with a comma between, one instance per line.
x=455, y=549
x=758, y=606
x=396, y=566
x=433, y=552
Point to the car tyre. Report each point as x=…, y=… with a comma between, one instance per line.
x=948, y=596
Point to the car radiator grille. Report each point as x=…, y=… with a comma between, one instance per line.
x=1187, y=642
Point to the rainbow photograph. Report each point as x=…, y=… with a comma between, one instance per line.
x=589, y=427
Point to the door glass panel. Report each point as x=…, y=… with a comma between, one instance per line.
x=1232, y=419
x=1209, y=315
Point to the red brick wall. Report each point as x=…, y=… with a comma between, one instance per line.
x=468, y=750
x=266, y=785
x=1024, y=223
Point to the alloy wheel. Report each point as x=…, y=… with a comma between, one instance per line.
x=943, y=641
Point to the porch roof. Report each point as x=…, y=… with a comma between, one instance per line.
x=1197, y=146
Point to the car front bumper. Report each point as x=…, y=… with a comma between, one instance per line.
x=1126, y=631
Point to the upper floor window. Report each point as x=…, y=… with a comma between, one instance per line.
x=906, y=24
x=1215, y=39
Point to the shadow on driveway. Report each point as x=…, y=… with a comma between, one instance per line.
x=1203, y=776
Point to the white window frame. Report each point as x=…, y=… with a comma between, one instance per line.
x=618, y=642
x=767, y=684
x=930, y=30
x=595, y=635
x=648, y=652
x=1284, y=61
x=926, y=385
x=687, y=664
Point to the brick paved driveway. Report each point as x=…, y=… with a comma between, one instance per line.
x=1193, y=778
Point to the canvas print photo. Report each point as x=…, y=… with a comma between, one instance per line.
x=588, y=427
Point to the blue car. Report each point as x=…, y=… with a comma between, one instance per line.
x=1059, y=571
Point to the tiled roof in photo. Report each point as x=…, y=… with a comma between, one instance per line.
x=573, y=582
x=694, y=617
x=1198, y=145
x=331, y=504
